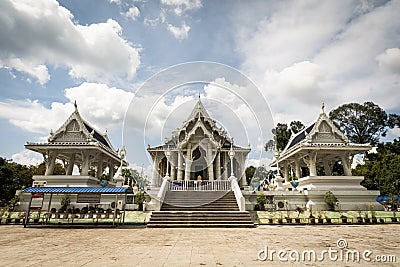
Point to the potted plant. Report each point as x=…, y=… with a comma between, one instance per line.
x=104, y=179
x=366, y=218
x=294, y=181
x=359, y=217
x=65, y=201
x=312, y=218
x=330, y=200
x=320, y=219
x=280, y=219
x=140, y=199
x=261, y=201
x=394, y=219
x=299, y=211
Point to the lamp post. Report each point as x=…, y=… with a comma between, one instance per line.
x=168, y=154
x=231, y=156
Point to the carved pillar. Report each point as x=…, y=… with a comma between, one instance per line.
x=297, y=167
x=286, y=171
x=327, y=168
x=111, y=170
x=218, y=166
x=99, y=167
x=210, y=163
x=179, y=170
x=50, y=161
x=225, y=164
x=155, y=171
x=71, y=163
x=85, y=164
x=346, y=163
x=311, y=163
x=188, y=162
x=173, y=172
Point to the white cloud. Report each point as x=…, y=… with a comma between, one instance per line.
x=179, y=32
x=27, y=157
x=98, y=104
x=390, y=60
x=132, y=13
x=349, y=52
x=180, y=6
x=36, y=34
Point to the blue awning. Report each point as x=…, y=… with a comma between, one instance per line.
x=77, y=190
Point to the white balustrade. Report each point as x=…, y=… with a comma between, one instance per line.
x=216, y=185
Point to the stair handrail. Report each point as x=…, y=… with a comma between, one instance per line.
x=238, y=193
x=163, y=189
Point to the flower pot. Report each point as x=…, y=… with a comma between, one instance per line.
x=312, y=220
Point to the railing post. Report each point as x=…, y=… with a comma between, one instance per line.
x=238, y=194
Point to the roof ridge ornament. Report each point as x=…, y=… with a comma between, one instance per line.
x=76, y=106
x=323, y=107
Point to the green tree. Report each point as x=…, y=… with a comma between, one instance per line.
x=364, y=123
x=13, y=176
x=282, y=133
x=381, y=170
x=249, y=173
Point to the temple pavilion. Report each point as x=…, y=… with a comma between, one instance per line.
x=76, y=143
x=198, y=150
x=318, y=147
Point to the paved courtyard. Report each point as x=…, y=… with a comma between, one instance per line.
x=194, y=247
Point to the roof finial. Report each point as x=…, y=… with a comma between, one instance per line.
x=75, y=105
x=199, y=95
x=323, y=107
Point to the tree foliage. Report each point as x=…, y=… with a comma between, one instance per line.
x=363, y=123
x=249, y=173
x=282, y=133
x=13, y=176
x=381, y=170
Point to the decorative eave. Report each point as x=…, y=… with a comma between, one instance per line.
x=303, y=141
x=90, y=132
x=41, y=147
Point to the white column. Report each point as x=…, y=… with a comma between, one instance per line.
x=111, y=170
x=311, y=163
x=346, y=164
x=218, y=166
x=155, y=171
x=99, y=167
x=50, y=162
x=188, y=162
x=286, y=171
x=327, y=168
x=225, y=161
x=71, y=163
x=297, y=167
x=179, y=170
x=210, y=163
x=173, y=173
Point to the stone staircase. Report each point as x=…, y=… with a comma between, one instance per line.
x=200, y=209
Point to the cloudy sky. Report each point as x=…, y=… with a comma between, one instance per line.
x=100, y=53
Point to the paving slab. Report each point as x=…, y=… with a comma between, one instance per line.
x=130, y=246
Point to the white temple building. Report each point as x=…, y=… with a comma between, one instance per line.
x=76, y=143
x=316, y=148
x=199, y=149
